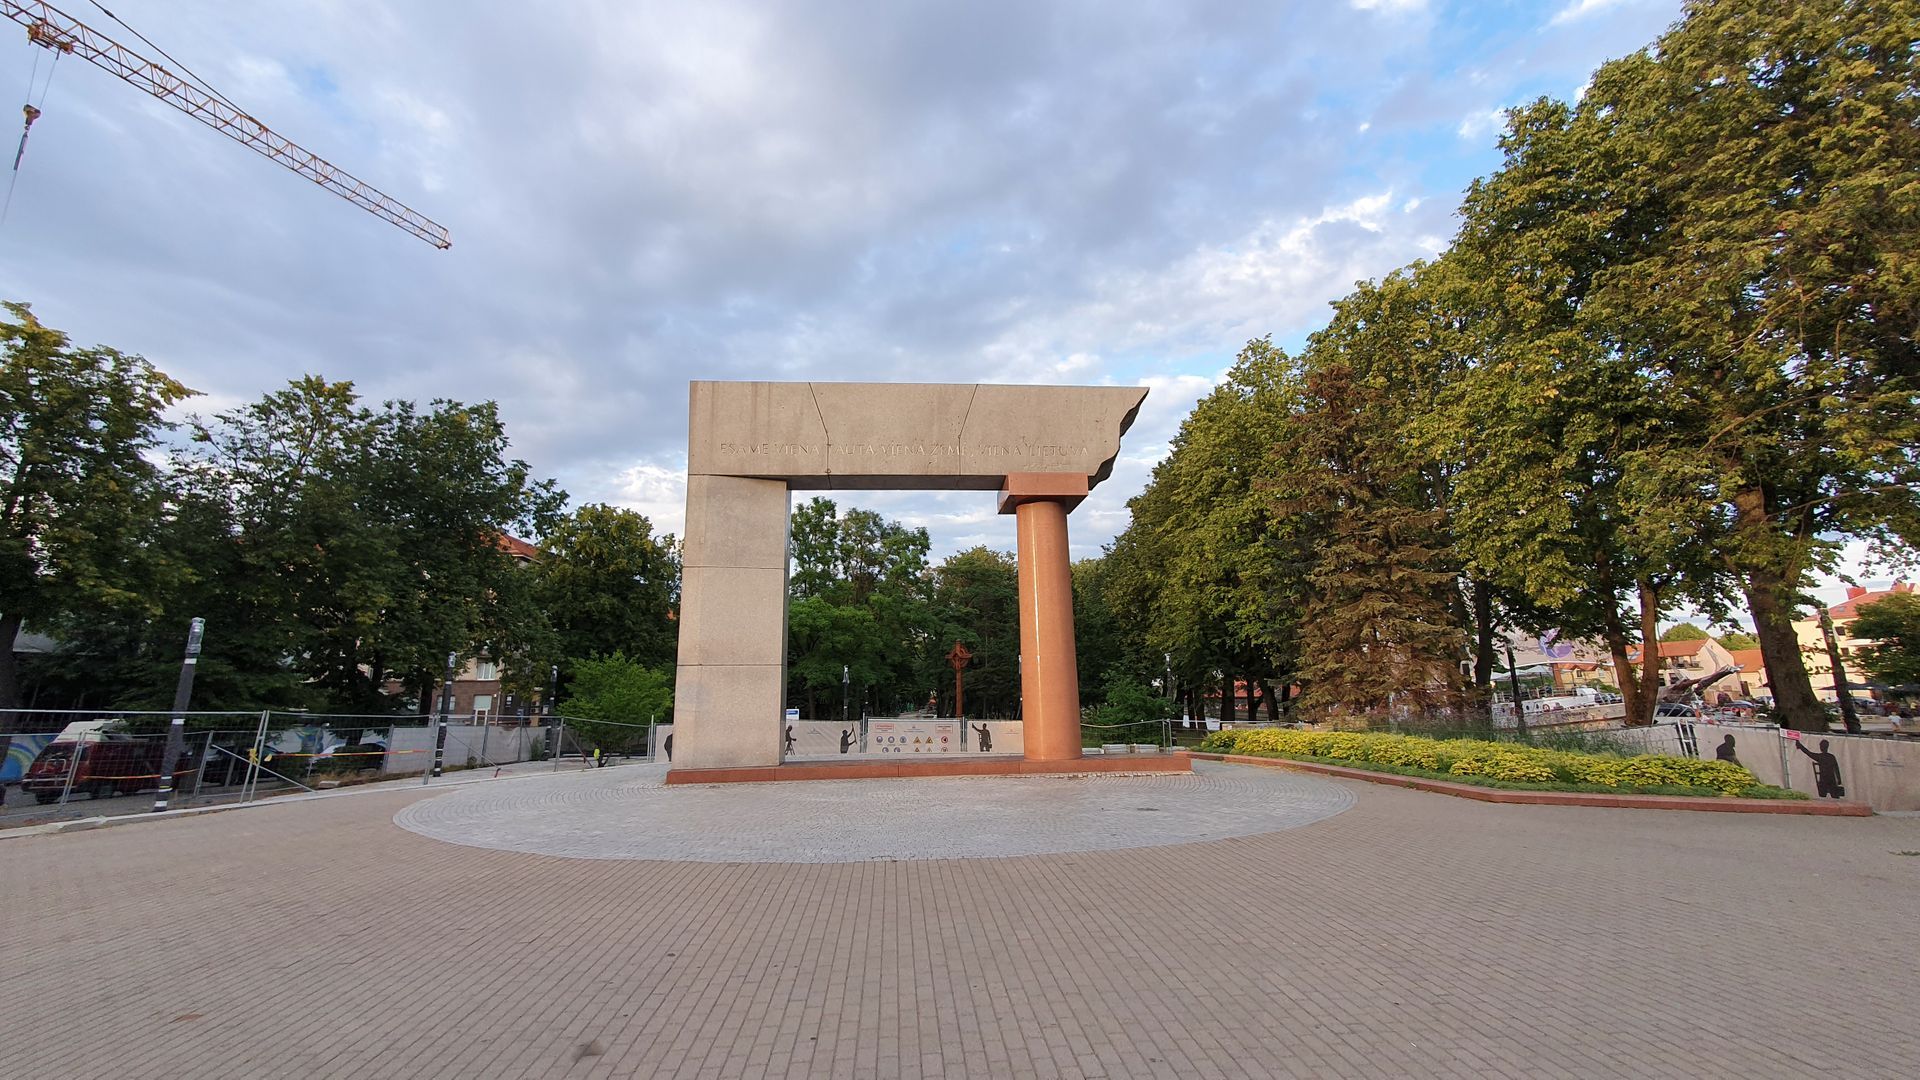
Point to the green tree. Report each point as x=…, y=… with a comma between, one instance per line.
x=857, y=602
x=1685, y=631
x=612, y=699
x=1738, y=640
x=1207, y=578
x=366, y=545
x=608, y=585
x=976, y=600
x=1130, y=711
x=1751, y=184
x=1892, y=625
x=1379, y=636
x=79, y=499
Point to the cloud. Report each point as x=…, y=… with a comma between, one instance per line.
x=1579, y=9
x=640, y=194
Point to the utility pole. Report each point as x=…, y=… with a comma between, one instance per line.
x=846, y=687
x=1513, y=680
x=177, y=730
x=440, y=722
x=1848, y=714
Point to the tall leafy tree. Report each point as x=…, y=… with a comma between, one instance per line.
x=858, y=607
x=1379, y=635
x=976, y=600
x=79, y=499
x=1751, y=189
x=1207, y=575
x=608, y=585
x=370, y=544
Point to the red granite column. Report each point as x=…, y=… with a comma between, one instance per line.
x=1049, y=669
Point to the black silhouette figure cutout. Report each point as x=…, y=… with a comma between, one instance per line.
x=1826, y=771
x=668, y=746
x=1725, y=751
x=986, y=738
x=846, y=740
x=789, y=738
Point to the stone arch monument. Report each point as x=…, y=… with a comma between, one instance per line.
x=750, y=444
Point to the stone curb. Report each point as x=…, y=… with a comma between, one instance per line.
x=893, y=769
x=1557, y=798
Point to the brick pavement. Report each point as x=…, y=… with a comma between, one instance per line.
x=1413, y=935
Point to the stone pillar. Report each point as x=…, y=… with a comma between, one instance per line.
x=1049, y=669
x=732, y=680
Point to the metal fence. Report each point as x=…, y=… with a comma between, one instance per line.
x=65, y=763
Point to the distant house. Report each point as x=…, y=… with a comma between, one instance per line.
x=1813, y=642
x=1571, y=675
x=1753, y=674
x=1683, y=660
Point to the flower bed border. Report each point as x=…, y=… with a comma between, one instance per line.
x=1710, y=803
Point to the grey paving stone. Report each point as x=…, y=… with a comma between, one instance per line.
x=629, y=813
x=1413, y=935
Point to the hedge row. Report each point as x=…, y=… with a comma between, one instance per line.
x=1474, y=760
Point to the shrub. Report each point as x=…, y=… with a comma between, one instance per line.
x=1476, y=760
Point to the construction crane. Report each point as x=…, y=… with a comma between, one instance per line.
x=51, y=28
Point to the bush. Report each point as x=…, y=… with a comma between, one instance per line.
x=1478, y=761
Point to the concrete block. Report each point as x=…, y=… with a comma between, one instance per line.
x=736, y=521
x=733, y=615
x=728, y=716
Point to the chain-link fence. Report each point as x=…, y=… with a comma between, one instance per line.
x=104, y=762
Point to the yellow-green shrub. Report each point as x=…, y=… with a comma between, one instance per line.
x=1480, y=759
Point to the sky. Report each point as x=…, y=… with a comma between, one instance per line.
x=639, y=194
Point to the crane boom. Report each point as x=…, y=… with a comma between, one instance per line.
x=55, y=29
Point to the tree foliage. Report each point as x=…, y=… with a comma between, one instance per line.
x=1892, y=625
x=612, y=700
x=79, y=499
x=609, y=586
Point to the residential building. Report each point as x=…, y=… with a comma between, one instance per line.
x=1813, y=641
x=1683, y=660
x=1753, y=674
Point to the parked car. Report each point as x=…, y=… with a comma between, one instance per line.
x=1677, y=710
x=107, y=765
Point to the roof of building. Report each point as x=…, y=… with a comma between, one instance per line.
x=1859, y=597
x=1671, y=648
x=519, y=548
x=1748, y=659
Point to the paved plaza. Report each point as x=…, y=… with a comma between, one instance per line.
x=1347, y=930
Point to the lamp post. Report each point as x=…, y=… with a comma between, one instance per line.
x=1513, y=680
x=440, y=722
x=177, y=729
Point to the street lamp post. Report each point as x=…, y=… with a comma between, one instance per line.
x=1513, y=680
x=177, y=729
x=440, y=722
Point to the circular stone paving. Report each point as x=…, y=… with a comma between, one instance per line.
x=629, y=813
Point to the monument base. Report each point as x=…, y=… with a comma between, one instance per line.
x=979, y=765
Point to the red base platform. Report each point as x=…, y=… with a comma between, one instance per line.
x=981, y=765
